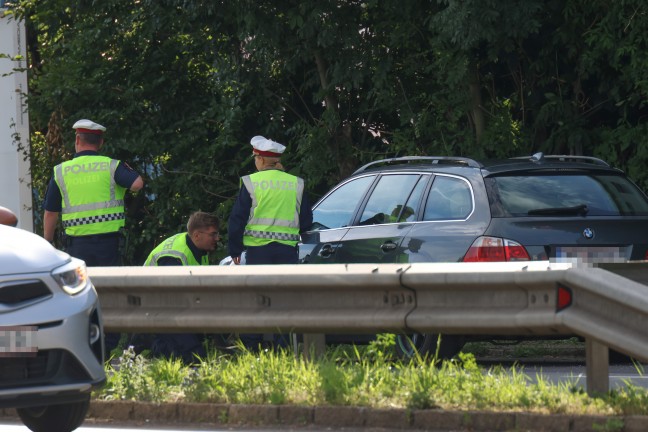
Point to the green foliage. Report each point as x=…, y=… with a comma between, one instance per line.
x=268, y=377
x=610, y=425
x=348, y=378
x=630, y=399
x=136, y=378
x=183, y=85
x=383, y=348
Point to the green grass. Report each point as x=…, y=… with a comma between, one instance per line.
x=355, y=377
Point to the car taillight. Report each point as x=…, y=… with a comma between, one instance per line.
x=490, y=249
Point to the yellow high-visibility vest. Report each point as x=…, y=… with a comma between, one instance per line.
x=176, y=247
x=274, y=215
x=92, y=202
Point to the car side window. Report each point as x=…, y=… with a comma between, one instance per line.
x=337, y=209
x=449, y=199
x=387, y=201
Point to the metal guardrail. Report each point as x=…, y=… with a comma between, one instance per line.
x=607, y=309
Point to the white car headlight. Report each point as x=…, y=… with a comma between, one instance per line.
x=72, y=277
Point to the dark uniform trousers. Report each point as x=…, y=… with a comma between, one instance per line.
x=272, y=253
x=99, y=250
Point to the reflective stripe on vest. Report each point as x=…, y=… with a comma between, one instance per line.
x=93, y=219
x=172, y=253
x=268, y=220
x=92, y=203
x=176, y=247
x=271, y=235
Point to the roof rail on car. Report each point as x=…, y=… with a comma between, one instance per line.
x=537, y=157
x=434, y=160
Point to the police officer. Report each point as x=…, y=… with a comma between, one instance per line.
x=188, y=248
x=89, y=193
x=268, y=216
x=270, y=212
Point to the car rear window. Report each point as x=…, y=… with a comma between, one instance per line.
x=566, y=194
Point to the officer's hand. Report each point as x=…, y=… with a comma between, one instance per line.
x=237, y=260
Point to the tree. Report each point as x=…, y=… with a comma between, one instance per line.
x=183, y=85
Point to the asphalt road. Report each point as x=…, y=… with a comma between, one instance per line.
x=567, y=365
x=620, y=374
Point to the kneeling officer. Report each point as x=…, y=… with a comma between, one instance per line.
x=187, y=248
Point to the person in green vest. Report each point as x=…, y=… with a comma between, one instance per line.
x=88, y=192
x=191, y=247
x=268, y=216
x=270, y=211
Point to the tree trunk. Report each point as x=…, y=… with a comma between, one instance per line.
x=476, y=104
x=340, y=139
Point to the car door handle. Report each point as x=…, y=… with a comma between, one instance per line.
x=388, y=246
x=326, y=251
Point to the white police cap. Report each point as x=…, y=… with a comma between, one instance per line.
x=266, y=147
x=88, y=126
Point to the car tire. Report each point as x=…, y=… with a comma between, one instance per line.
x=425, y=344
x=66, y=417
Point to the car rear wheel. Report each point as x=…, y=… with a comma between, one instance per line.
x=65, y=417
x=425, y=344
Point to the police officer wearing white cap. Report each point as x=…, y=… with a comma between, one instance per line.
x=88, y=191
x=270, y=212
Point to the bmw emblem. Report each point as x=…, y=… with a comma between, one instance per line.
x=588, y=233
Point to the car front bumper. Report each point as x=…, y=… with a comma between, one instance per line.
x=66, y=364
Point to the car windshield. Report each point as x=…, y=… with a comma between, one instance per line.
x=567, y=195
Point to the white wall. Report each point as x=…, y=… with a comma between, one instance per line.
x=15, y=178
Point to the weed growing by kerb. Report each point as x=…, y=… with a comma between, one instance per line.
x=348, y=376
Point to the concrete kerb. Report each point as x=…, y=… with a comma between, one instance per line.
x=333, y=417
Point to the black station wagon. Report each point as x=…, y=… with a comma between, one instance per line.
x=454, y=209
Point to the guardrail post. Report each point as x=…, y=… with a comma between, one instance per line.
x=597, y=365
x=314, y=345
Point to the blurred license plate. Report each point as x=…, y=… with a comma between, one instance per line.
x=18, y=341
x=593, y=254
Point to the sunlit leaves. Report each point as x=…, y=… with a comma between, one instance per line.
x=182, y=85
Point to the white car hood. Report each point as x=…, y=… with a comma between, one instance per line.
x=25, y=252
